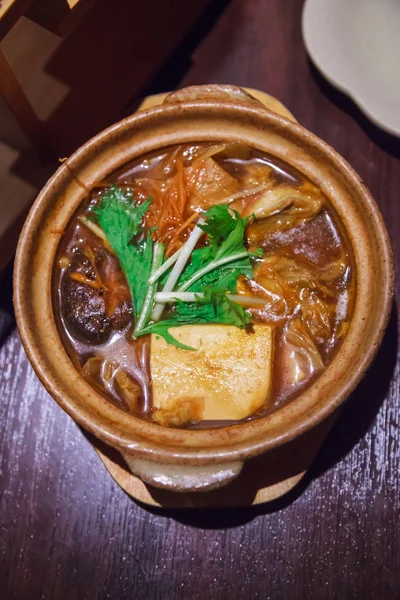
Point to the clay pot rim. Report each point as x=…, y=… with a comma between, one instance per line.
x=175, y=446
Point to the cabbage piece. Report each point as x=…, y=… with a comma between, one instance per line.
x=184, y=412
x=284, y=208
x=230, y=150
x=300, y=356
x=207, y=183
x=128, y=390
x=298, y=288
x=267, y=203
x=99, y=372
x=108, y=373
x=318, y=316
x=92, y=368
x=256, y=173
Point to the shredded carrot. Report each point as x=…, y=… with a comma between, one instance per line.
x=188, y=221
x=110, y=304
x=88, y=252
x=172, y=246
x=81, y=278
x=175, y=242
x=182, y=196
x=168, y=211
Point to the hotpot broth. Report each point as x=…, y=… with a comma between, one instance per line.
x=302, y=267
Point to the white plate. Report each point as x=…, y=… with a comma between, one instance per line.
x=356, y=45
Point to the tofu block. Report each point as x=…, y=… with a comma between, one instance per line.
x=227, y=377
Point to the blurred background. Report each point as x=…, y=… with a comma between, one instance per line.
x=70, y=68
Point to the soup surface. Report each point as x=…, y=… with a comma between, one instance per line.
x=203, y=284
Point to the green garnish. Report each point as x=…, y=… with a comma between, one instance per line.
x=148, y=302
x=226, y=251
x=213, y=270
x=213, y=306
x=121, y=220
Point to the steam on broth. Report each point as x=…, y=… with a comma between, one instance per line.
x=203, y=284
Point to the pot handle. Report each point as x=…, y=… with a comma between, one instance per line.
x=183, y=478
x=229, y=94
x=210, y=93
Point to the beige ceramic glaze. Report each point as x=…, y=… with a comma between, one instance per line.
x=200, y=459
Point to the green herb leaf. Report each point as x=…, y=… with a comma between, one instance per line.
x=121, y=219
x=213, y=307
x=225, y=229
x=161, y=328
x=224, y=278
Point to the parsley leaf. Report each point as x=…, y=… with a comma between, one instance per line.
x=121, y=220
x=213, y=307
x=226, y=250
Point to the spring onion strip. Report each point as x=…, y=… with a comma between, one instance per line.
x=210, y=267
x=178, y=267
x=165, y=266
x=158, y=253
x=166, y=297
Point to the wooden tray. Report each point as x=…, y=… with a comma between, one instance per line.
x=264, y=478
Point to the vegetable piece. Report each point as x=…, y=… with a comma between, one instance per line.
x=95, y=229
x=128, y=390
x=81, y=278
x=267, y=203
x=207, y=183
x=225, y=229
x=301, y=288
x=243, y=193
x=300, y=356
x=178, y=267
x=213, y=306
x=210, y=267
x=165, y=297
x=121, y=219
x=149, y=298
x=306, y=203
x=165, y=266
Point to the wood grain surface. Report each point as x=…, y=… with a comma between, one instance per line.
x=67, y=531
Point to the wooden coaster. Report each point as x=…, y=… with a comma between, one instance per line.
x=264, y=478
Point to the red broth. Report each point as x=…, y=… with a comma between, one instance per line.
x=302, y=268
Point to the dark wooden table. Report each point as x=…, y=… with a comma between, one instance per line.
x=67, y=531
